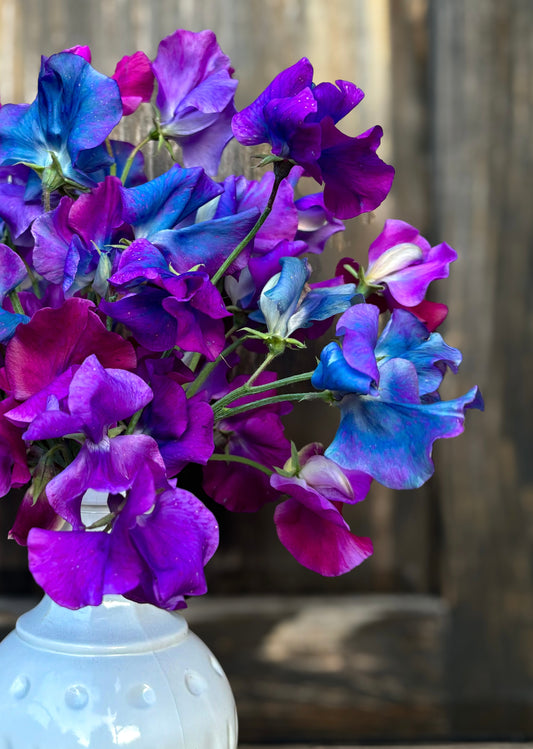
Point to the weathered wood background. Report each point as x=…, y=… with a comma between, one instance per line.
x=444, y=650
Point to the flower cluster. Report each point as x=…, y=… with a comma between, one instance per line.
x=129, y=308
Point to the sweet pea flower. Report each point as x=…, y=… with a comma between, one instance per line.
x=385, y=390
x=195, y=96
x=288, y=303
x=172, y=309
x=309, y=522
x=54, y=340
x=75, y=244
x=75, y=110
x=135, y=79
x=298, y=119
x=97, y=398
x=155, y=552
x=401, y=265
x=181, y=426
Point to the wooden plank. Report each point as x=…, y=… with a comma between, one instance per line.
x=323, y=669
x=483, y=182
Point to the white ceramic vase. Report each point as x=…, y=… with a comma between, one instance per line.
x=120, y=674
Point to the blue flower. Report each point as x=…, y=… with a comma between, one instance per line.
x=288, y=303
x=62, y=131
x=391, y=413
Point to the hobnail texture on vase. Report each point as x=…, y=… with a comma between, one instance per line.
x=119, y=674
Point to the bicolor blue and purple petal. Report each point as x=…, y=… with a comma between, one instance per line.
x=195, y=96
x=388, y=428
x=167, y=201
x=138, y=558
x=75, y=244
x=75, y=110
x=405, y=337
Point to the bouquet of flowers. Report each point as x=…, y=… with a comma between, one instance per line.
x=129, y=308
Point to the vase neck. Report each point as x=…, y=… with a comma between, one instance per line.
x=116, y=626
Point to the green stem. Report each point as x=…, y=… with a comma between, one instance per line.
x=281, y=170
x=109, y=149
x=133, y=154
x=226, y=413
x=245, y=390
x=46, y=199
x=268, y=359
x=15, y=301
x=228, y=458
x=134, y=421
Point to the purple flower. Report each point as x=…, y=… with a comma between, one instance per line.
x=17, y=208
x=178, y=309
x=181, y=426
x=13, y=467
x=310, y=523
x=75, y=110
x=96, y=400
x=298, y=119
x=316, y=224
x=155, y=551
x=195, y=96
x=390, y=414
x=75, y=243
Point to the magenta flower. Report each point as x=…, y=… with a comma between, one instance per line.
x=135, y=79
x=195, y=96
x=298, y=119
x=56, y=339
x=310, y=523
x=13, y=466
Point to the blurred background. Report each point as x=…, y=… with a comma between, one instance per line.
x=431, y=639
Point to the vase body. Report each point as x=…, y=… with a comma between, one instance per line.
x=119, y=674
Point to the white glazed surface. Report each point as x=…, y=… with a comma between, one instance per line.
x=119, y=674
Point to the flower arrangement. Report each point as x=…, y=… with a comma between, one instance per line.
x=127, y=305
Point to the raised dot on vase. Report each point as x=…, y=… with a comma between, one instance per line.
x=20, y=686
x=195, y=683
x=141, y=695
x=76, y=697
x=216, y=665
